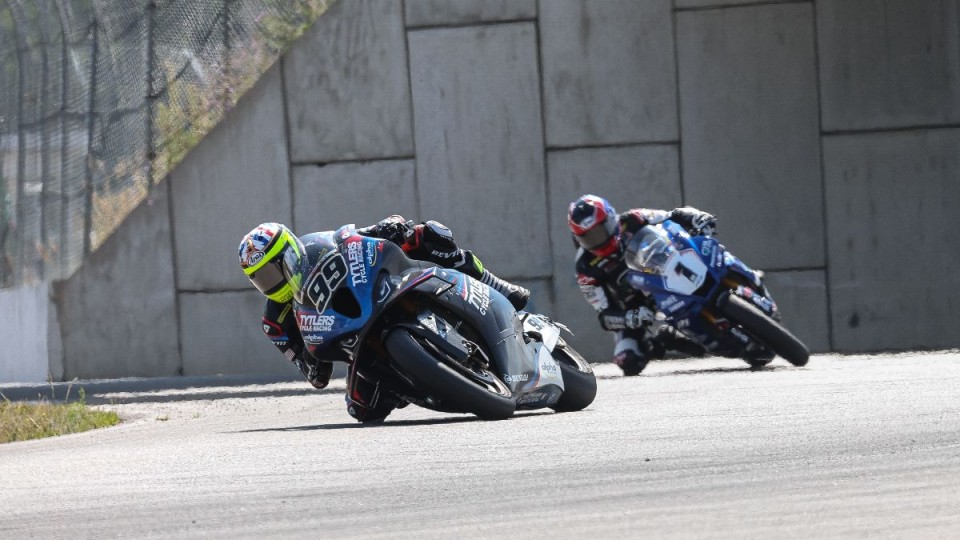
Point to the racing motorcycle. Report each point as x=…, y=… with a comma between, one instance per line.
x=709, y=295
x=441, y=339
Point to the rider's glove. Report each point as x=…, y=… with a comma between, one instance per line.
x=705, y=223
x=696, y=221
x=639, y=317
x=615, y=319
x=395, y=229
x=434, y=242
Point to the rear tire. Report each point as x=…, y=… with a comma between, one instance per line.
x=769, y=332
x=453, y=389
x=579, y=382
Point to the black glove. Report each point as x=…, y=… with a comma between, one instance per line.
x=433, y=241
x=616, y=319
x=696, y=221
x=395, y=229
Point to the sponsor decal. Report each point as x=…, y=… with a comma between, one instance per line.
x=444, y=255
x=478, y=296
x=372, y=249
x=706, y=248
x=585, y=280
x=530, y=398
x=523, y=377
x=314, y=339
x=358, y=271
x=672, y=303
x=315, y=323
x=253, y=249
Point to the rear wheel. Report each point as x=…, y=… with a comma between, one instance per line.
x=769, y=332
x=579, y=382
x=456, y=387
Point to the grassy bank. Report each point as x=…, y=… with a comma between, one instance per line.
x=22, y=421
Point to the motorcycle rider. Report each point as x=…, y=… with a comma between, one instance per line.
x=600, y=235
x=269, y=255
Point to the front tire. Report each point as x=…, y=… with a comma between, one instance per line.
x=579, y=382
x=769, y=332
x=490, y=400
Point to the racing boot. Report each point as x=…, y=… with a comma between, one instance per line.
x=631, y=362
x=317, y=372
x=471, y=266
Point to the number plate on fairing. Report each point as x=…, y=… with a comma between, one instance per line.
x=548, y=332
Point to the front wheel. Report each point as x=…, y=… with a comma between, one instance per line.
x=461, y=389
x=769, y=332
x=579, y=382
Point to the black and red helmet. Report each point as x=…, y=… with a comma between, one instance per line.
x=594, y=224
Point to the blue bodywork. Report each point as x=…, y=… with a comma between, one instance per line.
x=348, y=282
x=688, y=275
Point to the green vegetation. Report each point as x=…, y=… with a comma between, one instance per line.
x=23, y=421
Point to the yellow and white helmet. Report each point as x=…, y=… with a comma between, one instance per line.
x=270, y=255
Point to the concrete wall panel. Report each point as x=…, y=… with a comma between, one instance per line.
x=892, y=206
x=235, y=180
x=748, y=102
x=889, y=63
x=117, y=313
x=25, y=315
x=223, y=335
x=686, y=4
x=609, y=74
x=436, y=12
x=479, y=141
x=359, y=193
x=802, y=298
x=347, y=87
x=629, y=177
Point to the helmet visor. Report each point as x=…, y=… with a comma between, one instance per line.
x=596, y=236
x=270, y=279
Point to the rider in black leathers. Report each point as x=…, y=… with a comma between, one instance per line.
x=270, y=252
x=600, y=235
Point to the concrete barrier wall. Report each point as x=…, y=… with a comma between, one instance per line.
x=823, y=134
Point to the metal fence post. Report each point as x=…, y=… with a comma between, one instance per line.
x=88, y=181
x=64, y=96
x=150, y=98
x=21, y=151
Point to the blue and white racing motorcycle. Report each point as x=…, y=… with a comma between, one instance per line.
x=443, y=340
x=709, y=295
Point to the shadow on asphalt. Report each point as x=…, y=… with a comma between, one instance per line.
x=154, y=390
x=387, y=423
x=737, y=369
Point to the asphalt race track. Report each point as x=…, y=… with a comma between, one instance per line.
x=858, y=446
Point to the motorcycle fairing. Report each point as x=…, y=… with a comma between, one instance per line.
x=524, y=370
x=683, y=304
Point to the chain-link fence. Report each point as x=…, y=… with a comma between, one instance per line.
x=99, y=99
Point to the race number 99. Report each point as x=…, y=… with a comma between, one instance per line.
x=325, y=279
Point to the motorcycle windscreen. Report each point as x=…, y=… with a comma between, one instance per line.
x=649, y=250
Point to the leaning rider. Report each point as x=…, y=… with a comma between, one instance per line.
x=600, y=235
x=270, y=255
